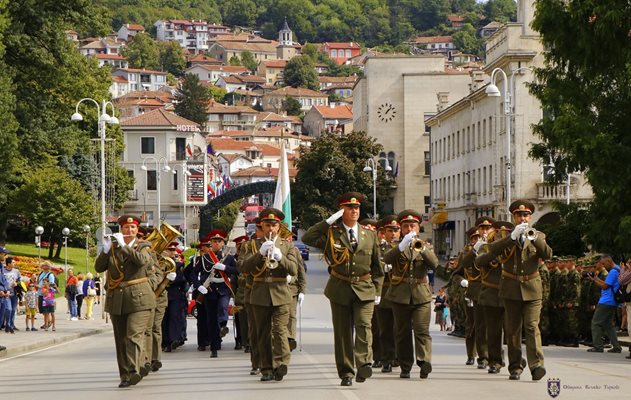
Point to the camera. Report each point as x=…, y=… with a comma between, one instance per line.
x=588, y=274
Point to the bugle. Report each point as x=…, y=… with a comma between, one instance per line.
x=530, y=233
x=270, y=262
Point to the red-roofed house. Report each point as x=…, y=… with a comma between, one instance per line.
x=100, y=46
x=191, y=35
x=202, y=59
x=223, y=117
x=259, y=174
x=243, y=82
x=340, y=52
x=272, y=71
x=135, y=103
x=142, y=79
x=261, y=154
x=329, y=118
x=433, y=44
x=155, y=140
x=113, y=60
x=456, y=21
x=211, y=73
x=128, y=31
x=273, y=101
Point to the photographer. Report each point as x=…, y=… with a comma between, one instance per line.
x=602, y=321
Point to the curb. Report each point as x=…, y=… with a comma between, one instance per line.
x=12, y=351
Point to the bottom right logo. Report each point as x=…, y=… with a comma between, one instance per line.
x=554, y=387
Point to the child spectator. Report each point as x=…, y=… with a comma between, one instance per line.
x=439, y=307
x=30, y=300
x=48, y=304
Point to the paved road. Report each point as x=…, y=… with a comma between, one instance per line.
x=86, y=368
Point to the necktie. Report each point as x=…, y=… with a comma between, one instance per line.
x=353, y=239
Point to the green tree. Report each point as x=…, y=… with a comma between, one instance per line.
x=248, y=61
x=500, y=10
x=292, y=106
x=300, y=72
x=234, y=61
x=239, y=12
x=172, y=58
x=192, y=100
x=331, y=166
x=585, y=92
x=566, y=235
x=218, y=93
x=143, y=52
x=466, y=40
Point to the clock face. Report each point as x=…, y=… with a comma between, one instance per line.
x=386, y=112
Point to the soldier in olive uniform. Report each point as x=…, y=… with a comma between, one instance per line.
x=554, y=300
x=573, y=293
x=354, y=284
x=411, y=295
x=457, y=312
x=129, y=298
x=585, y=310
x=390, y=229
x=492, y=306
x=239, y=299
x=544, y=319
x=271, y=261
x=297, y=287
x=371, y=224
x=521, y=290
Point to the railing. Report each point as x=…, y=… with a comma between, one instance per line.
x=552, y=191
x=238, y=122
x=132, y=194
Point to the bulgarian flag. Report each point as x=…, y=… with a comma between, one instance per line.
x=282, y=197
x=189, y=150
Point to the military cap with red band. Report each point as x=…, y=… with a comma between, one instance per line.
x=484, y=221
x=271, y=214
x=504, y=225
x=128, y=219
x=240, y=239
x=473, y=231
x=389, y=221
x=351, y=199
x=521, y=206
x=409, y=216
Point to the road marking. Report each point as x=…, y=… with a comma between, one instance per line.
x=42, y=349
x=332, y=378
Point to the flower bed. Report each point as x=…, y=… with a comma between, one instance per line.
x=29, y=266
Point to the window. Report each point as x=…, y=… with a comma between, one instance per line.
x=180, y=149
x=175, y=180
x=428, y=163
x=147, y=145
x=152, y=180
x=348, y=54
x=130, y=173
x=333, y=53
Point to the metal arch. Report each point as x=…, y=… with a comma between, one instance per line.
x=206, y=212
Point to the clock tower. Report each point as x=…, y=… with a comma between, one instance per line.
x=285, y=49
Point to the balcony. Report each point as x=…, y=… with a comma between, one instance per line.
x=552, y=191
x=238, y=122
x=132, y=194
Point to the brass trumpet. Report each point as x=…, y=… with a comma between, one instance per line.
x=530, y=233
x=269, y=258
x=417, y=245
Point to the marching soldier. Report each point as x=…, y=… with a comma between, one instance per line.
x=174, y=322
x=371, y=224
x=411, y=295
x=390, y=228
x=241, y=318
x=572, y=297
x=354, y=284
x=492, y=306
x=521, y=289
x=129, y=298
x=297, y=287
x=271, y=261
x=544, y=319
x=215, y=287
x=457, y=313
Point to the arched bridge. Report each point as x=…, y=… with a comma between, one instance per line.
x=206, y=212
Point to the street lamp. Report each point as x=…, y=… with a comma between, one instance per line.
x=185, y=175
x=38, y=241
x=372, y=167
x=493, y=91
x=65, y=232
x=86, y=230
x=165, y=168
x=103, y=119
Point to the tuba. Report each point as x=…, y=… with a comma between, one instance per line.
x=160, y=239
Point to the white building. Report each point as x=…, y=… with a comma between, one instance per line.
x=191, y=35
x=141, y=79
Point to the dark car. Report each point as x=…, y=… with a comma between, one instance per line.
x=304, y=250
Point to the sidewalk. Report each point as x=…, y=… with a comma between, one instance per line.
x=22, y=341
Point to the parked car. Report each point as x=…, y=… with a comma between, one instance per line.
x=250, y=229
x=192, y=308
x=304, y=250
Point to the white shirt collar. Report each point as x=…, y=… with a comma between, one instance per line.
x=354, y=228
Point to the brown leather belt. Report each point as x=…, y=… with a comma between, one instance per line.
x=409, y=280
x=270, y=279
x=520, y=278
x=132, y=282
x=350, y=279
x=490, y=284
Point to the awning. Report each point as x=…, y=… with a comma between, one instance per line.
x=440, y=217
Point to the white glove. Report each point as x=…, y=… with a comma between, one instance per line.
x=220, y=267
x=107, y=244
x=265, y=247
x=288, y=279
x=231, y=302
x=387, y=268
x=301, y=298
x=171, y=276
x=335, y=216
x=377, y=300
x=477, y=245
x=517, y=232
x=120, y=239
x=277, y=254
x=407, y=239
x=202, y=289
x=464, y=283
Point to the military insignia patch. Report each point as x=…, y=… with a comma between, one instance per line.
x=554, y=387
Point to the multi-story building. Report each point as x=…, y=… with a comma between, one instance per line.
x=390, y=103
x=112, y=60
x=211, y=73
x=434, y=44
x=470, y=167
x=273, y=101
x=236, y=82
x=100, y=46
x=223, y=117
x=191, y=35
x=329, y=118
x=272, y=71
x=261, y=49
x=128, y=31
x=341, y=52
x=272, y=136
x=139, y=102
x=141, y=79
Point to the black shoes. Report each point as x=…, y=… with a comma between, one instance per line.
x=202, y=348
x=387, y=367
x=223, y=331
x=426, y=368
x=538, y=373
x=595, y=350
x=494, y=370
x=144, y=370
x=238, y=346
x=346, y=382
x=280, y=372
x=247, y=349
x=614, y=350
x=124, y=384
x=213, y=354
x=482, y=364
x=292, y=344
x=364, y=372
x=377, y=364
x=267, y=376
x=135, y=378
x=514, y=376
x=255, y=371
x=404, y=374
x=156, y=365
x=2, y=348
x=470, y=361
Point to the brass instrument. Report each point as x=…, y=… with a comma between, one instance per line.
x=530, y=233
x=416, y=246
x=270, y=262
x=160, y=239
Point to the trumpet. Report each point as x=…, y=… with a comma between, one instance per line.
x=417, y=245
x=269, y=258
x=530, y=233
